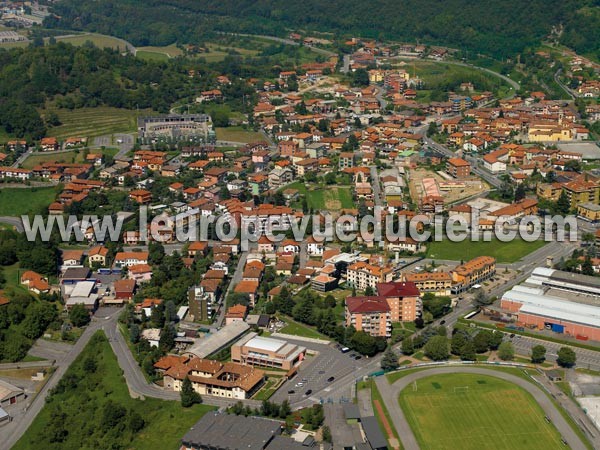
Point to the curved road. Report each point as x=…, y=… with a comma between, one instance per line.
x=509, y=80
x=391, y=392
x=12, y=432
x=13, y=221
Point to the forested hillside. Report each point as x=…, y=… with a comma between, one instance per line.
x=74, y=77
x=494, y=27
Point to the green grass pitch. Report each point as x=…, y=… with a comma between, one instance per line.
x=489, y=414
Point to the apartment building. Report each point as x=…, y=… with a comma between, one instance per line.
x=362, y=275
x=458, y=168
x=268, y=217
x=472, y=272
x=404, y=300
x=369, y=314
x=581, y=191
x=438, y=283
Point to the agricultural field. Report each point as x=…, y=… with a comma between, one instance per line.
x=91, y=122
x=504, y=252
x=160, y=53
x=84, y=406
x=73, y=156
x=99, y=40
x=436, y=75
x=218, y=52
x=17, y=201
x=152, y=56
x=332, y=198
x=471, y=411
x=238, y=134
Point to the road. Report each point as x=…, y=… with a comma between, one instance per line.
x=137, y=383
x=13, y=221
x=490, y=178
x=390, y=393
x=513, y=83
x=286, y=41
x=12, y=432
x=565, y=88
x=379, y=95
x=346, y=64
x=235, y=279
x=376, y=186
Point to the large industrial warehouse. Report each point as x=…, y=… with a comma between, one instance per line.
x=559, y=301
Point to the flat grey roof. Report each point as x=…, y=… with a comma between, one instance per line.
x=227, y=431
x=216, y=341
x=373, y=432
x=351, y=411
x=285, y=443
x=587, y=150
x=76, y=272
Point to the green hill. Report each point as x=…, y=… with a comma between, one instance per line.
x=494, y=27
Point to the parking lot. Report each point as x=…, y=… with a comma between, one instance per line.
x=315, y=371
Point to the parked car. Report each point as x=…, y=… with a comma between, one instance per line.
x=291, y=391
x=307, y=393
x=330, y=379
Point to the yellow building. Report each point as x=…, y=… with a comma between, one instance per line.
x=472, y=272
x=589, y=211
x=548, y=133
x=438, y=283
x=549, y=191
x=376, y=76
x=579, y=192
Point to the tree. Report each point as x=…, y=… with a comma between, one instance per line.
x=519, y=193
x=389, y=360
x=408, y=347
x=506, y=351
x=363, y=343
x=457, y=343
x=566, y=357
x=467, y=352
x=156, y=253
x=326, y=434
x=189, y=396
x=496, y=340
x=134, y=333
x=167, y=338
x=586, y=267
x=482, y=341
x=79, y=315
x=436, y=305
x=562, y=204
x=481, y=299
x=437, y=348
x=538, y=354
x=285, y=409
x=360, y=78
x=136, y=422
x=89, y=365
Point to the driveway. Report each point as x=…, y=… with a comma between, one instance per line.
x=391, y=392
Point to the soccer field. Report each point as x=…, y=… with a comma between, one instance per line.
x=470, y=411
